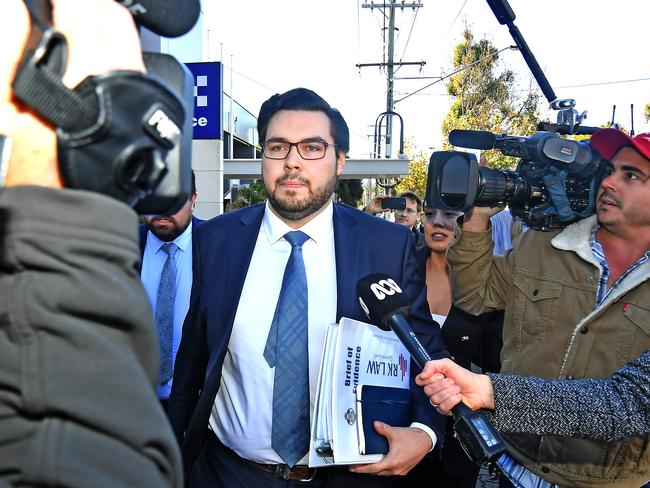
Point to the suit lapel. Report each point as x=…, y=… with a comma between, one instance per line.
x=347, y=244
x=237, y=257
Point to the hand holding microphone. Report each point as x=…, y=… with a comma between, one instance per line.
x=447, y=384
x=387, y=306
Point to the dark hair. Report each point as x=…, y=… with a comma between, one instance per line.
x=304, y=99
x=193, y=183
x=413, y=196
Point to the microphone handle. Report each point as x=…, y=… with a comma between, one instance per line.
x=405, y=334
x=476, y=435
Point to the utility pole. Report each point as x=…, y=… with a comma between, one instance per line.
x=389, y=79
x=389, y=62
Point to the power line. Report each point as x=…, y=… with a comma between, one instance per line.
x=455, y=19
x=415, y=17
x=272, y=90
x=605, y=83
x=454, y=72
x=536, y=89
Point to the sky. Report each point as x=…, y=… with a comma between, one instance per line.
x=269, y=47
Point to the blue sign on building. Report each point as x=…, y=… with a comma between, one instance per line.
x=208, y=100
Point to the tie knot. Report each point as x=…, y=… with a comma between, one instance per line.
x=170, y=248
x=296, y=238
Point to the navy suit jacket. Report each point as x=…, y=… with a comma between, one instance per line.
x=224, y=245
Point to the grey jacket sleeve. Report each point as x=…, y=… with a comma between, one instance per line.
x=78, y=351
x=606, y=410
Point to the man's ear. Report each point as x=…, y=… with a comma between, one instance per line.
x=340, y=163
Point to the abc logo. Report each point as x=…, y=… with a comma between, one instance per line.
x=385, y=287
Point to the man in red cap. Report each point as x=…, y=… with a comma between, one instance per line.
x=576, y=305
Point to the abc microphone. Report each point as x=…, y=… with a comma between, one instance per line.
x=473, y=139
x=387, y=306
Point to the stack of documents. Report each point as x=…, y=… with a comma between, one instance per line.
x=354, y=354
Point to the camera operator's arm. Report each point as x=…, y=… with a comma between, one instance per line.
x=78, y=352
x=479, y=279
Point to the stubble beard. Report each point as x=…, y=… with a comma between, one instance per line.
x=294, y=209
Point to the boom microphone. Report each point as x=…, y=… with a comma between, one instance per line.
x=169, y=18
x=473, y=139
x=386, y=305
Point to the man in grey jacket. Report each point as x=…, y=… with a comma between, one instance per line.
x=78, y=353
x=576, y=306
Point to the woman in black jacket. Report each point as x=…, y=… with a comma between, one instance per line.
x=473, y=342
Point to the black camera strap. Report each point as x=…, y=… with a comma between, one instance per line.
x=38, y=79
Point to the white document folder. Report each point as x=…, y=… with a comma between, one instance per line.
x=354, y=353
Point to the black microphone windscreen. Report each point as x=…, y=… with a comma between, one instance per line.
x=169, y=18
x=381, y=298
x=473, y=139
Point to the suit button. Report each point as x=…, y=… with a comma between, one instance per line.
x=584, y=329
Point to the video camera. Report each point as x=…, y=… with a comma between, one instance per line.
x=555, y=182
x=124, y=134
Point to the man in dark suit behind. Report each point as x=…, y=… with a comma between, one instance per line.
x=222, y=402
x=156, y=234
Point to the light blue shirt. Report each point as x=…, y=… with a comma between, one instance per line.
x=153, y=261
x=501, y=223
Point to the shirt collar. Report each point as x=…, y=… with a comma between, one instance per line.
x=317, y=228
x=182, y=241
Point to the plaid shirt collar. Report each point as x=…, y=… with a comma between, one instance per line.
x=599, y=256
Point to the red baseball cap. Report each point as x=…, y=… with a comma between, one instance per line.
x=608, y=141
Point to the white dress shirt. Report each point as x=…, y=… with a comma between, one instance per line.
x=153, y=261
x=242, y=412
x=243, y=408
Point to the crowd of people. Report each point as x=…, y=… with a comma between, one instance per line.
x=186, y=353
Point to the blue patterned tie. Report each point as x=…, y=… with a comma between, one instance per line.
x=286, y=349
x=165, y=311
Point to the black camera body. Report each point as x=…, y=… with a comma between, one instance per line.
x=555, y=182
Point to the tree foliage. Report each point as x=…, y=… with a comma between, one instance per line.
x=349, y=192
x=485, y=99
x=416, y=181
x=249, y=195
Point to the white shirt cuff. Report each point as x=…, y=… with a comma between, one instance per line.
x=430, y=433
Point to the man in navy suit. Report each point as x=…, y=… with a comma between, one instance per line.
x=222, y=402
x=156, y=233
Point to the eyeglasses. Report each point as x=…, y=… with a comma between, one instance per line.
x=408, y=211
x=309, y=150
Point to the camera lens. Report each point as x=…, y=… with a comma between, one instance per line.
x=500, y=186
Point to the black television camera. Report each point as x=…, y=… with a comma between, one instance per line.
x=124, y=134
x=555, y=182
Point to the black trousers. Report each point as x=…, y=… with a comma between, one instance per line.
x=219, y=467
